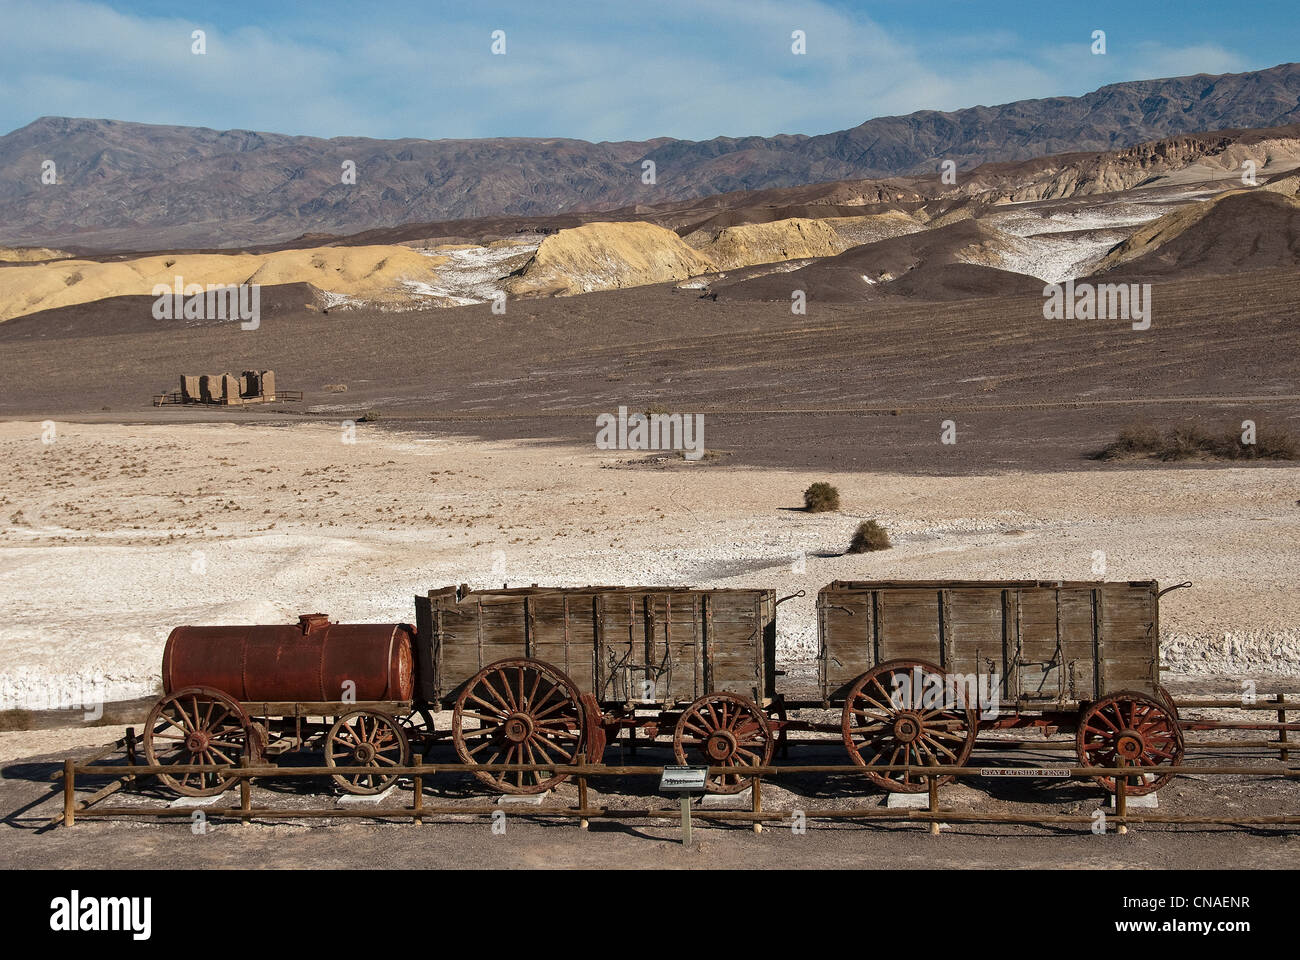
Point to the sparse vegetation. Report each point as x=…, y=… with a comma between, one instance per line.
x=820, y=498
x=1193, y=442
x=706, y=455
x=336, y=387
x=15, y=720
x=370, y=416
x=868, y=537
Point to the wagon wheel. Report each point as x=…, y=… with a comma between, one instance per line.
x=884, y=728
x=526, y=711
x=1141, y=730
x=724, y=730
x=199, y=726
x=366, y=738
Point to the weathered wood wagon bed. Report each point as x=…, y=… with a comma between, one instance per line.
x=538, y=675
x=921, y=666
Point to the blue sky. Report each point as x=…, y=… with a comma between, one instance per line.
x=612, y=70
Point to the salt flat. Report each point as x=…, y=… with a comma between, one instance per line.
x=113, y=534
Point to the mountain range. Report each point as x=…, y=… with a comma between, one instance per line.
x=133, y=186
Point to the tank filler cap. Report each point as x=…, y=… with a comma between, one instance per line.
x=311, y=622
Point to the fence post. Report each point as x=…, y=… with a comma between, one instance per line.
x=69, y=793
x=245, y=793
x=933, y=782
x=583, y=823
x=1281, y=734
x=1121, y=796
x=756, y=802
x=130, y=750
x=417, y=805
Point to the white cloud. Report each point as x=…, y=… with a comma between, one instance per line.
x=611, y=72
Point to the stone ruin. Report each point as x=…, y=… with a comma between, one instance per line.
x=251, y=386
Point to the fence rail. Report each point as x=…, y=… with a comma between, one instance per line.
x=584, y=811
x=91, y=807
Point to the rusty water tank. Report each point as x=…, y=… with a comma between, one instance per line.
x=308, y=661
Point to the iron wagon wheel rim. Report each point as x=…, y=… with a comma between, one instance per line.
x=1142, y=729
x=207, y=728
x=529, y=712
x=380, y=743
x=891, y=734
x=724, y=730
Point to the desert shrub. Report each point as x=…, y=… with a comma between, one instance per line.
x=868, y=537
x=16, y=720
x=370, y=416
x=336, y=387
x=1190, y=441
x=1136, y=439
x=1270, y=445
x=1187, y=443
x=821, y=497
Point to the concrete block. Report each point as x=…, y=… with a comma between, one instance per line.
x=362, y=799
x=1150, y=801
x=188, y=803
x=728, y=801
x=522, y=799
x=907, y=801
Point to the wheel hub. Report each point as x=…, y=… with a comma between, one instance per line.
x=518, y=727
x=908, y=726
x=197, y=742
x=364, y=753
x=720, y=745
x=1129, y=745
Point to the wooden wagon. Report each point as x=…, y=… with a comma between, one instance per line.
x=539, y=675
x=921, y=666
x=533, y=675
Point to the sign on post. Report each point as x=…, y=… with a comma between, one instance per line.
x=1024, y=771
x=684, y=781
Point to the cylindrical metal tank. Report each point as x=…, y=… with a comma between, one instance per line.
x=304, y=662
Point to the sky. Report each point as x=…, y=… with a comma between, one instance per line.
x=611, y=70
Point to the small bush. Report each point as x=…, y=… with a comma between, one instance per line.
x=1192, y=442
x=370, y=416
x=821, y=497
x=1136, y=439
x=868, y=537
x=1271, y=445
